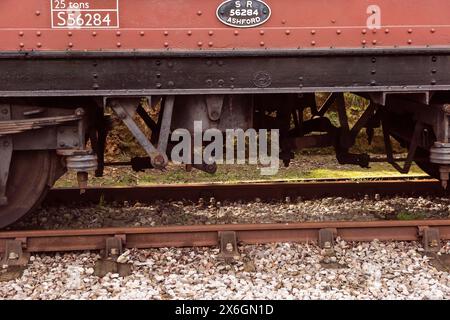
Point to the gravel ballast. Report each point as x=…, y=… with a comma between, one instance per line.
x=209, y=211
x=376, y=270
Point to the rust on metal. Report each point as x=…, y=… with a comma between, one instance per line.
x=326, y=237
x=14, y=254
x=249, y=191
x=207, y=235
x=228, y=245
x=431, y=239
x=124, y=25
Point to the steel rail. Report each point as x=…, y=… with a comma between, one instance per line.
x=248, y=191
x=208, y=235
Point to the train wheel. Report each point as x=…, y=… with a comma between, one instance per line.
x=31, y=175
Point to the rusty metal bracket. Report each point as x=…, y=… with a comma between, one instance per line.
x=431, y=239
x=14, y=254
x=326, y=237
x=114, y=246
x=228, y=245
x=109, y=264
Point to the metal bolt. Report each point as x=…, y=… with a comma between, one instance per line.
x=13, y=256
x=159, y=160
x=21, y=33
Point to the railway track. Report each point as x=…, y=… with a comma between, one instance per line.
x=14, y=244
x=210, y=235
x=249, y=191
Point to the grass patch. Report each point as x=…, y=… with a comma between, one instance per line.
x=405, y=215
x=303, y=167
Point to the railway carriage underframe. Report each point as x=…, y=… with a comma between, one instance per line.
x=52, y=107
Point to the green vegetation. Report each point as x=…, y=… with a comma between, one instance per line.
x=303, y=167
x=404, y=215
